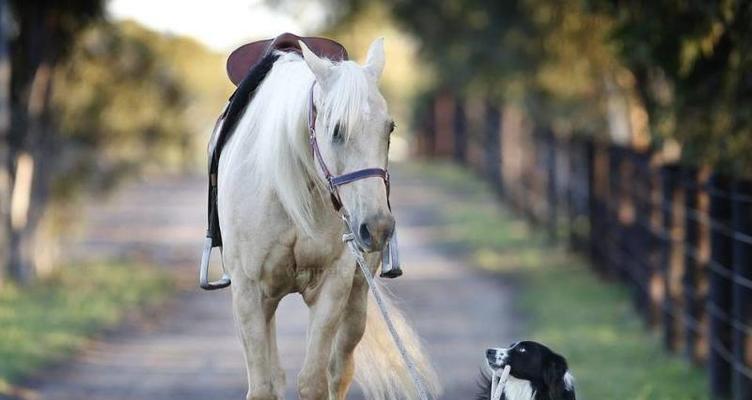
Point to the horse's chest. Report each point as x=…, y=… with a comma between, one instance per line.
x=312, y=258
x=315, y=253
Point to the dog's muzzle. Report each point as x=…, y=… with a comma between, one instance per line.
x=496, y=358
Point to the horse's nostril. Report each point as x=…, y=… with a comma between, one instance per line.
x=365, y=235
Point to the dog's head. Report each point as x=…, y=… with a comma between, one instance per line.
x=536, y=363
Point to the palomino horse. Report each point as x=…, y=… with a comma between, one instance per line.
x=281, y=234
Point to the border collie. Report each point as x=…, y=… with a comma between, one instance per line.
x=527, y=371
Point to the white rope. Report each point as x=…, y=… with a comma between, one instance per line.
x=357, y=253
x=498, y=381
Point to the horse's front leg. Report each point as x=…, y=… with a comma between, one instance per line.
x=327, y=303
x=351, y=329
x=254, y=313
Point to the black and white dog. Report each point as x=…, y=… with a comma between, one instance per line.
x=528, y=371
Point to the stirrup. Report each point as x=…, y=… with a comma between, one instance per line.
x=390, y=261
x=203, y=277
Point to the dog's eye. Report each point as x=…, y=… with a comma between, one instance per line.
x=337, y=135
x=521, y=350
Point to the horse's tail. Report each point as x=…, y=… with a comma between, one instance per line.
x=379, y=368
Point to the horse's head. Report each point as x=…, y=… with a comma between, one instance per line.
x=352, y=130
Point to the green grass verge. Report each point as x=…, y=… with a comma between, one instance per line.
x=50, y=320
x=590, y=321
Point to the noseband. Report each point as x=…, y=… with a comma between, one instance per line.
x=335, y=181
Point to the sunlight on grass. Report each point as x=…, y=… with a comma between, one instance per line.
x=49, y=321
x=590, y=321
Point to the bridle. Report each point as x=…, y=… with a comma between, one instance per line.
x=390, y=263
x=335, y=181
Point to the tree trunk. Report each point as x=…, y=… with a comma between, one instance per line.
x=5, y=178
x=44, y=29
x=32, y=178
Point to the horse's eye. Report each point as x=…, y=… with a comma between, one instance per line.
x=337, y=135
x=392, y=126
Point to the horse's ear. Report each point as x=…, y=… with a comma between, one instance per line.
x=375, y=59
x=319, y=66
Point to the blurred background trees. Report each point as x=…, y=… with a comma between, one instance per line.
x=90, y=103
x=644, y=72
x=44, y=33
x=692, y=65
x=93, y=101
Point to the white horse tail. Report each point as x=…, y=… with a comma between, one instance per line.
x=379, y=368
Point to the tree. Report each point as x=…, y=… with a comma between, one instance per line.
x=99, y=102
x=45, y=31
x=692, y=62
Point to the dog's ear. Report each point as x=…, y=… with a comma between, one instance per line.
x=557, y=378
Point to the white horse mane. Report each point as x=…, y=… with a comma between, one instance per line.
x=272, y=134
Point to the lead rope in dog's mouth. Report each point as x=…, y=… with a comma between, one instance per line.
x=497, y=386
x=349, y=238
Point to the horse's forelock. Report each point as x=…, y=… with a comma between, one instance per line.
x=346, y=99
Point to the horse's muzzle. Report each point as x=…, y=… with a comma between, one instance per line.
x=374, y=232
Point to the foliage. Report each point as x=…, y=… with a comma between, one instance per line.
x=692, y=61
x=42, y=35
x=118, y=99
x=47, y=322
x=590, y=321
x=550, y=56
x=127, y=99
x=405, y=73
x=685, y=64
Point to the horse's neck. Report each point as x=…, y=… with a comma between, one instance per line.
x=325, y=216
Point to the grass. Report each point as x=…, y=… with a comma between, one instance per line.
x=590, y=321
x=52, y=319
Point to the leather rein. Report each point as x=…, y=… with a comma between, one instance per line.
x=335, y=181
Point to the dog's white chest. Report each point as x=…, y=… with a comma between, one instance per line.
x=518, y=389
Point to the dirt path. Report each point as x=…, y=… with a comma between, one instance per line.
x=192, y=351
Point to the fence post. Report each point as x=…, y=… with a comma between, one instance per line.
x=632, y=187
x=574, y=190
x=645, y=238
x=690, y=280
x=551, y=194
x=429, y=128
x=719, y=299
x=493, y=145
x=595, y=203
x=742, y=293
x=443, y=115
x=670, y=265
x=613, y=234
x=460, y=134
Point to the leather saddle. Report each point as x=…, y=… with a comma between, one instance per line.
x=246, y=67
x=245, y=57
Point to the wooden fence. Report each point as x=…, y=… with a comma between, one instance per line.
x=679, y=237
